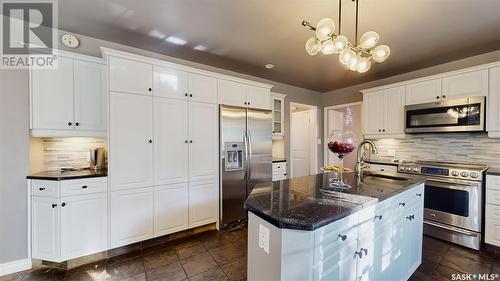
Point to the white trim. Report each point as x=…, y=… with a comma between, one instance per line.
x=15, y=266
x=116, y=53
x=436, y=76
x=67, y=133
x=313, y=115
x=79, y=56
x=325, y=124
x=278, y=95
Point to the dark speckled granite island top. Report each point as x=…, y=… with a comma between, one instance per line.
x=306, y=203
x=68, y=175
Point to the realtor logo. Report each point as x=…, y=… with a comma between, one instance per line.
x=29, y=34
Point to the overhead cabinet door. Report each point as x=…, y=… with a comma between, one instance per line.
x=466, y=85
x=129, y=76
x=52, y=98
x=171, y=141
x=170, y=83
x=130, y=140
x=373, y=113
x=202, y=88
x=258, y=97
x=394, y=104
x=232, y=93
x=423, y=92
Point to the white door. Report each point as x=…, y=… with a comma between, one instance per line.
x=301, y=146
x=52, y=97
x=370, y=265
x=232, y=93
x=45, y=228
x=170, y=83
x=130, y=141
x=84, y=225
x=203, y=202
x=344, y=267
x=129, y=76
x=373, y=113
x=202, y=88
x=90, y=96
x=170, y=141
x=394, y=101
x=258, y=97
x=466, y=85
x=493, y=121
x=423, y=92
x=203, y=141
x=171, y=208
x=131, y=217
x=414, y=240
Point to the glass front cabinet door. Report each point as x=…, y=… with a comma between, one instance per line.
x=278, y=101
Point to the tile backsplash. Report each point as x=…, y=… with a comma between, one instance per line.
x=48, y=154
x=453, y=147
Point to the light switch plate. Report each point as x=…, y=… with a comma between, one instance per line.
x=264, y=238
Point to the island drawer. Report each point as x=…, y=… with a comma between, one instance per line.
x=375, y=217
x=83, y=186
x=44, y=188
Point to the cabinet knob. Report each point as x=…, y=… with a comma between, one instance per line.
x=343, y=237
x=419, y=194
x=248, y=103
x=383, y=130
x=437, y=97
x=84, y=186
x=77, y=124
x=191, y=141
x=379, y=131
x=150, y=89
x=150, y=141
x=410, y=217
x=54, y=205
x=245, y=102
x=63, y=204
x=379, y=217
x=186, y=141
x=444, y=96
x=190, y=95
x=186, y=94
x=70, y=124
x=364, y=250
x=402, y=204
x=41, y=188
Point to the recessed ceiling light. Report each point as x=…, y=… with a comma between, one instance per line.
x=269, y=66
x=200, y=48
x=175, y=40
x=157, y=34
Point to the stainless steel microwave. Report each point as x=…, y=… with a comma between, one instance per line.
x=457, y=115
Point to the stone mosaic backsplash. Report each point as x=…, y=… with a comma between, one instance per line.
x=453, y=147
x=57, y=153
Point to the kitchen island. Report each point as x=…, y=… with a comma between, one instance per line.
x=299, y=229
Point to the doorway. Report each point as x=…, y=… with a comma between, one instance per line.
x=303, y=139
x=344, y=118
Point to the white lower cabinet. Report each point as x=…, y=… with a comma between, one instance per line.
x=171, y=208
x=492, y=211
x=67, y=227
x=131, y=218
x=203, y=202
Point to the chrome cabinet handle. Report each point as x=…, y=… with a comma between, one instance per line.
x=54, y=205
x=419, y=194
x=379, y=217
x=359, y=254
x=343, y=237
x=250, y=154
x=84, y=186
x=410, y=217
x=402, y=204
x=41, y=188
x=246, y=153
x=364, y=250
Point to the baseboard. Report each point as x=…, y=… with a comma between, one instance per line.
x=14, y=266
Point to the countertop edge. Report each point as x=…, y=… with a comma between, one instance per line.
x=64, y=177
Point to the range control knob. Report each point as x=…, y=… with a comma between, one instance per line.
x=474, y=175
x=402, y=168
x=408, y=169
x=455, y=173
x=416, y=170
x=464, y=174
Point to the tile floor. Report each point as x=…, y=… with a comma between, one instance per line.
x=214, y=255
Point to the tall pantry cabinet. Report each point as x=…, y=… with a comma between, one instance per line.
x=163, y=158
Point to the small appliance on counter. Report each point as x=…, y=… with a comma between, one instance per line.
x=98, y=159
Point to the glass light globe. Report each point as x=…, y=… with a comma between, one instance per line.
x=369, y=39
x=354, y=63
x=325, y=28
x=339, y=43
x=380, y=53
x=346, y=55
x=328, y=47
x=313, y=46
x=364, y=65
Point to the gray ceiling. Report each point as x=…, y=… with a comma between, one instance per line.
x=244, y=35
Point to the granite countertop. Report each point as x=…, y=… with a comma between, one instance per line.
x=277, y=160
x=495, y=171
x=306, y=203
x=68, y=175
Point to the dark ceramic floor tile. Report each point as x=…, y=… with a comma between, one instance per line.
x=126, y=269
x=443, y=273
x=427, y=266
x=170, y=272
x=96, y=266
x=135, y=253
x=226, y=254
x=18, y=276
x=466, y=261
x=434, y=249
x=159, y=258
x=45, y=274
x=198, y=264
x=138, y=277
x=236, y=270
x=419, y=276
x=215, y=274
x=90, y=275
x=191, y=249
x=214, y=239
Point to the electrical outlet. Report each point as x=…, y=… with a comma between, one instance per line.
x=264, y=238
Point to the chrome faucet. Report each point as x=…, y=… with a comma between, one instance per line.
x=361, y=154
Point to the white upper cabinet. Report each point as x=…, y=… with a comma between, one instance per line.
x=202, y=88
x=52, y=97
x=383, y=113
x=170, y=141
x=423, y=92
x=465, y=85
x=203, y=141
x=129, y=76
x=90, y=98
x=130, y=141
x=244, y=95
x=232, y=93
x=170, y=83
x=493, y=119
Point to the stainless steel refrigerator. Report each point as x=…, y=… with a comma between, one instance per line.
x=246, y=158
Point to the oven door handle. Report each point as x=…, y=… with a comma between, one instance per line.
x=451, y=185
x=452, y=229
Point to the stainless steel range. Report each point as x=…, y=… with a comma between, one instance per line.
x=453, y=200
